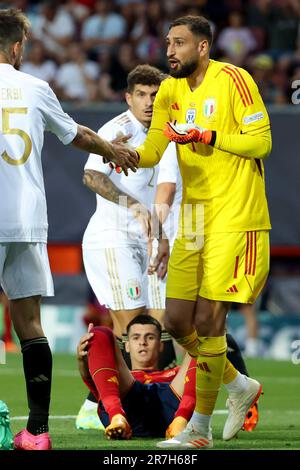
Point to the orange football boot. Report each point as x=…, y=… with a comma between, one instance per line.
x=119, y=428
x=251, y=419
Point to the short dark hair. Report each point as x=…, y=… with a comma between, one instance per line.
x=14, y=26
x=144, y=320
x=198, y=25
x=144, y=75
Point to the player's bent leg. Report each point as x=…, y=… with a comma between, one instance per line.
x=179, y=322
x=118, y=428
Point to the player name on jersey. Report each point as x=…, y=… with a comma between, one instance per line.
x=10, y=93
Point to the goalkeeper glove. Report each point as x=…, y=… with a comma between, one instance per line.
x=187, y=133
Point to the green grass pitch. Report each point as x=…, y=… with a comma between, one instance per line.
x=278, y=428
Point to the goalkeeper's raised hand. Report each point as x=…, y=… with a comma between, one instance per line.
x=187, y=133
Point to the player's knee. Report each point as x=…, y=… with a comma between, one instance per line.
x=170, y=324
x=103, y=334
x=208, y=324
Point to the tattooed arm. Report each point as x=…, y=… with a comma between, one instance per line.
x=102, y=185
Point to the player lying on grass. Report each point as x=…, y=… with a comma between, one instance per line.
x=143, y=402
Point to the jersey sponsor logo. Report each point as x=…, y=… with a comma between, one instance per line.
x=190, y=116
x=209, y=107
x=133, y=289
x=253, y=117
x=175, y=106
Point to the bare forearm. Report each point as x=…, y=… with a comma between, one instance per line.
x=101, y=184
x=164, y=199
x=88, y=140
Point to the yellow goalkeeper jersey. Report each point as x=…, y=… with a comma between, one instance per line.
x=229, y=187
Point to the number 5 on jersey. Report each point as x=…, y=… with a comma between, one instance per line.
x=7, y=130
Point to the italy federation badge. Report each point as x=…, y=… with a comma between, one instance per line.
x=133, y=289
x=209, y=107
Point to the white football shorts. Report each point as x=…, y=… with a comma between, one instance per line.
x=119, y=279
x=25, y=270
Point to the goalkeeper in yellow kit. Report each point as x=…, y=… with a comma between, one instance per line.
x=215, y=114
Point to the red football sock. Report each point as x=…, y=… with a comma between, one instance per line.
x=102, y=367
x=187, y=404
x=7, y=335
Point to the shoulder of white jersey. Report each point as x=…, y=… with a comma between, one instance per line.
x=121, y=123
x=32, y=81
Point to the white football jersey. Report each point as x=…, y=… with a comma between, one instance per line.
x=169, y=173
x=28, y=108
x=141, y=185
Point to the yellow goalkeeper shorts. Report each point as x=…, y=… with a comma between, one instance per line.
x=230, y=267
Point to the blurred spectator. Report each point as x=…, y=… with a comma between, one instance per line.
x=36, y=63
x=283, y=27
x=78, y=11
x=103, y=30
x=55, y=28
x=76, y=80
x=272, y=82
x=236, y=41
x=113, y=79
x=149, y=31
x=105, y=27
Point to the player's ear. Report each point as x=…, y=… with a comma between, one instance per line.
x=127, y=348
x=203, y=47
x=161, y=347
x=15, y=49
x=128, y=98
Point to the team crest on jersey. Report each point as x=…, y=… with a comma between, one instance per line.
x=133, y=289
x=209, y=107
x=190, y=116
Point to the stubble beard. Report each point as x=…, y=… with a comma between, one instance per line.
x=185, y=70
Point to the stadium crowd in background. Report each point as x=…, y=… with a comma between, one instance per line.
x=97, y=42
